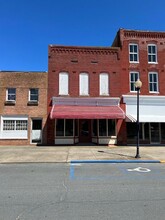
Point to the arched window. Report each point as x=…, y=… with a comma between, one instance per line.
x=84, y=84
x=63, y=83
x=104, y=84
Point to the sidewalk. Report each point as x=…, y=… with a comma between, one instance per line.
x=56, y=154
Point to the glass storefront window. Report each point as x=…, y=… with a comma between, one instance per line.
x=95, y=125
x=68, y=127
x=131, y=130
x=76, y=127
x=60, y=127
x=163, y=131
x=102, y=127
x=111, y=127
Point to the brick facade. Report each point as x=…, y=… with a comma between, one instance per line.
x=75, y=60
x=23, y=81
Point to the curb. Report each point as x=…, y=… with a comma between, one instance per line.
x=116, y=161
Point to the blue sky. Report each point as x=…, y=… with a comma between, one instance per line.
x=27, y=27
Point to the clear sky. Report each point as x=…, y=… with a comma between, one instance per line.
x=27, y=27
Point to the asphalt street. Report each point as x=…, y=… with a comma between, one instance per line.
x=66, y=191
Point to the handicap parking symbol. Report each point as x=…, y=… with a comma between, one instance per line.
x=139, y=169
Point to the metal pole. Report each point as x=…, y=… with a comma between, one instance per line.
x=137, y=144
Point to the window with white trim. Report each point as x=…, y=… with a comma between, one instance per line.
x=18, y=125
x=33, y=95
x=153, y=82
x=134, y=76
x=11, y=94
x=14, y=127
x=133, y=53
x=152, y=53
x=84, y=84
x=63, y=83
x=104, y=84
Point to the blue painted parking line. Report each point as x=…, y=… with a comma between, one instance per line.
x=115, y=161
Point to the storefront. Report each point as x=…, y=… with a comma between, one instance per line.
x=86, y=120
x=151, y=118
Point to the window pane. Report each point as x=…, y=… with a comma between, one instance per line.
x=69, y=127
x=131, y=48
x=131, y=57
x=102, y=127
x=111, y=127
x=95, y=124
x=135, y=48
x=33, y=94
x=149, y=49
x=163, y=131
x=76, y=127
x=60, y=127
x=135, y=57
x=21, y=125
x=133, y=76
x=8, y=125
x=11, y=94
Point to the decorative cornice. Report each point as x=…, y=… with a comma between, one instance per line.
x=143, y=34
x=84, y=50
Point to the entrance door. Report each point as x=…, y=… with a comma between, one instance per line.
x=36, y=133
x=85, y=130
x=155, y=133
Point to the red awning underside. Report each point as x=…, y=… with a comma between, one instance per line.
x=86, y=112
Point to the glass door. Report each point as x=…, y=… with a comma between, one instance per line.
x=85, y=130
x=155, y=133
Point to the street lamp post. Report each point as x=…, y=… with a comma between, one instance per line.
x=138, y=85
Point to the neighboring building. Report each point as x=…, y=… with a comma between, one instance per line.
x=143, y=56
x=84, y=95
x=23, y=107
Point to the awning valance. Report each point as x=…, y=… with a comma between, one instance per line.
x=86, y=112
x=146, y=118
x=151, y=108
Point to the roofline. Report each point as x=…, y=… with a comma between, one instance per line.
x=84, y=47
x=19, y=71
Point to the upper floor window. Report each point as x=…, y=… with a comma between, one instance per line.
x=153, y=82
x=84, y=84
x=63, y=83
x=152, y=53
x=104, y=84
x=11, y=94
x=133, y=53
x=134, y=76
x=33, y=95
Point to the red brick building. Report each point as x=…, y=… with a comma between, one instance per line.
x=23, y=112
x=89, y=95
x=143, y=56
x=84, y=95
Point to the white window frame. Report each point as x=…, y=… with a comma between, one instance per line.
x=84, y=84
x=104, y=84
x=19, y=129
x=132, y=82
x=8, y=94
x=30, y=95
x=152, y=54
x=134, y=53
x=63, y=83
x=153, y=82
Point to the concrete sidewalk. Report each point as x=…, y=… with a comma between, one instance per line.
x=55, y=154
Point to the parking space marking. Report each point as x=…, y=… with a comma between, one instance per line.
x=140, y=169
